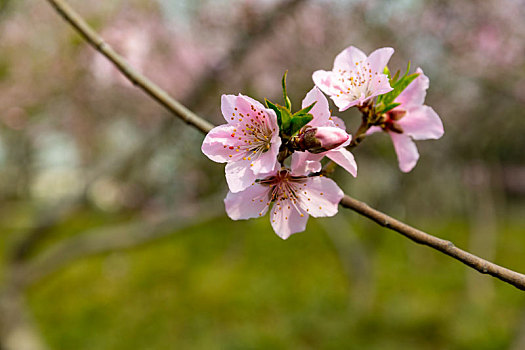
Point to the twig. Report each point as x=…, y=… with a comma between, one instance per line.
x=447, y=247
x=140, y=81
x=514, y=278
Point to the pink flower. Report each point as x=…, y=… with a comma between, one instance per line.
x=248, y=143
x=323, y=120
x=355, y=78
x=292, y=196
x=411, y=120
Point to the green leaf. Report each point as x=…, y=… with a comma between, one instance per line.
x=287, y=102
x=286, y=118
x=387, y=108
x=394, y=78
x=276, y=109
x=298, y=122
x=305, y=110
x=398, y=85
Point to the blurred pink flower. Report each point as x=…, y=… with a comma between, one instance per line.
x=294, y=195
x=323, y=119
x=249, y=142
x=355, y=77
x=411, y=120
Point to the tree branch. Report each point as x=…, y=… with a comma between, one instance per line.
x=140, y=81
x=447, y=247
x=514, y=278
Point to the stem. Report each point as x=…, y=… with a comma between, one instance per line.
x=360, y=134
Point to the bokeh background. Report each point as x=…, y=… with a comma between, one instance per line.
x=113, y=231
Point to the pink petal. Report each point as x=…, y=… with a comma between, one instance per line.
x=373, y=130
x=345, y=159
x=343, y=103
x=239, y=175
x=321, y=110
x=422, y=123
x=244, y=102
x=250, y=203
x=215, y=141
x=379, y=58
x=347, y=58
x=407, y=154
x=414, y=94
x=267, y=162
x=323, y=80
x=304, y=163
x=338, y=122
x=228, y=103
x=272, y=123
x=286, y=219
x=320, y=197
x=380, y=85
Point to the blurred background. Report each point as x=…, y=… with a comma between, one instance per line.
x=113, y=231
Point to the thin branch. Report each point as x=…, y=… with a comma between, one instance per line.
x=140, y=81
x=514, y=278
x=447, y=247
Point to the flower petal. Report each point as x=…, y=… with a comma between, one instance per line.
x=217, y=143
x=338, y=122
x=267, y=162
x=414, y=94
x=228, y=103
x=245, y=102
x=250, y=203
x=321, y=110
x=320, y=197
x=323, y=80
x=422, y=123
x=286, y=219
x=347, y=58
x=379, y=58
x=343, y=103
x=304, y=163
x=373, y=130
x=239, y=175
x=406, y=150
x=345, y=159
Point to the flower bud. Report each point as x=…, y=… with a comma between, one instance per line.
x=321, y=139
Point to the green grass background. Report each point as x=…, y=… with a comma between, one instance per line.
x=236, y=285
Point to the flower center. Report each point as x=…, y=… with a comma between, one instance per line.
x=357, y=81
x=391, y=120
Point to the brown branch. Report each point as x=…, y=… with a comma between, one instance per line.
x=447, y=247
x=514, y=278
x=139, y=80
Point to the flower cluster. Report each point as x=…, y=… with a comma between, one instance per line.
x=273, y=156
